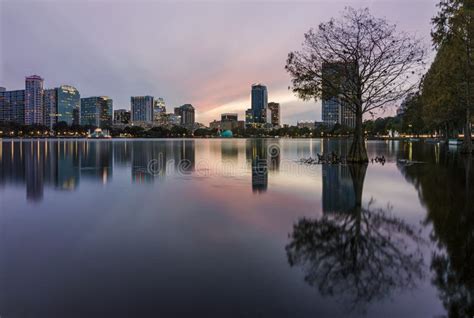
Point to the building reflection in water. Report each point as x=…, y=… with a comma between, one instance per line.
x=61, y=164
x=264, y=156
x=96, y=160
x=148, y=161
x=229, y=150
x=36, y=163
x=184, y=156
x=358, y=252
x=338, y=189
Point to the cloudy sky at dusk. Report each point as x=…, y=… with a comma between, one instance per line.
x=204, y=53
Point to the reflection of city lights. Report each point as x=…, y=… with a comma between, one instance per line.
x=104, y=176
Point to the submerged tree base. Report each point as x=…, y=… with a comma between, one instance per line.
x=357, y=152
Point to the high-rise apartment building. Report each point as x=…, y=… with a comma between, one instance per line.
x=34, y=112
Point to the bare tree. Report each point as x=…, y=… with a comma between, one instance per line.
x=373, y=65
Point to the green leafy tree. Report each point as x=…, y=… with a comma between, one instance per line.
x=454, y=31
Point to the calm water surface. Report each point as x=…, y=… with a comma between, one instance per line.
x=233, y=228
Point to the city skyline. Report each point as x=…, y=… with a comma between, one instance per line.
x=214, y=78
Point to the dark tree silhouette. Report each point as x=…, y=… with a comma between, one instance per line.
x=454, y=29
x=362, y=253
x=360, y=60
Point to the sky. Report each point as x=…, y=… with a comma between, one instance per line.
x=206, y=53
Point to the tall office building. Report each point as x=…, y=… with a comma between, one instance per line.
x=61, y=104
x=34, y=112
x=186, y=112
x=12, y=106
x=142, y=108
x=96, y=111
x=259, y=101
x=274, y=109
x=334, y=110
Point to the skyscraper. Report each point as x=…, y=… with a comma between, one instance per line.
x=187, y=115
x=274, y=113
x=34, y=113
x=334, y=110
x=142, y=109
x=96, y=111
x=259, y=103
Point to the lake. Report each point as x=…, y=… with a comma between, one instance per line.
x=233, y=228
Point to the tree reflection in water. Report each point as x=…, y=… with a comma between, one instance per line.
x=446, y=190
x=363, y=253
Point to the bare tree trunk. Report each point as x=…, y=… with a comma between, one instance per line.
x=467, y=143
x=357, y=152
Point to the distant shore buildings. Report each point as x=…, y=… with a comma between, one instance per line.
x=37, y=105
